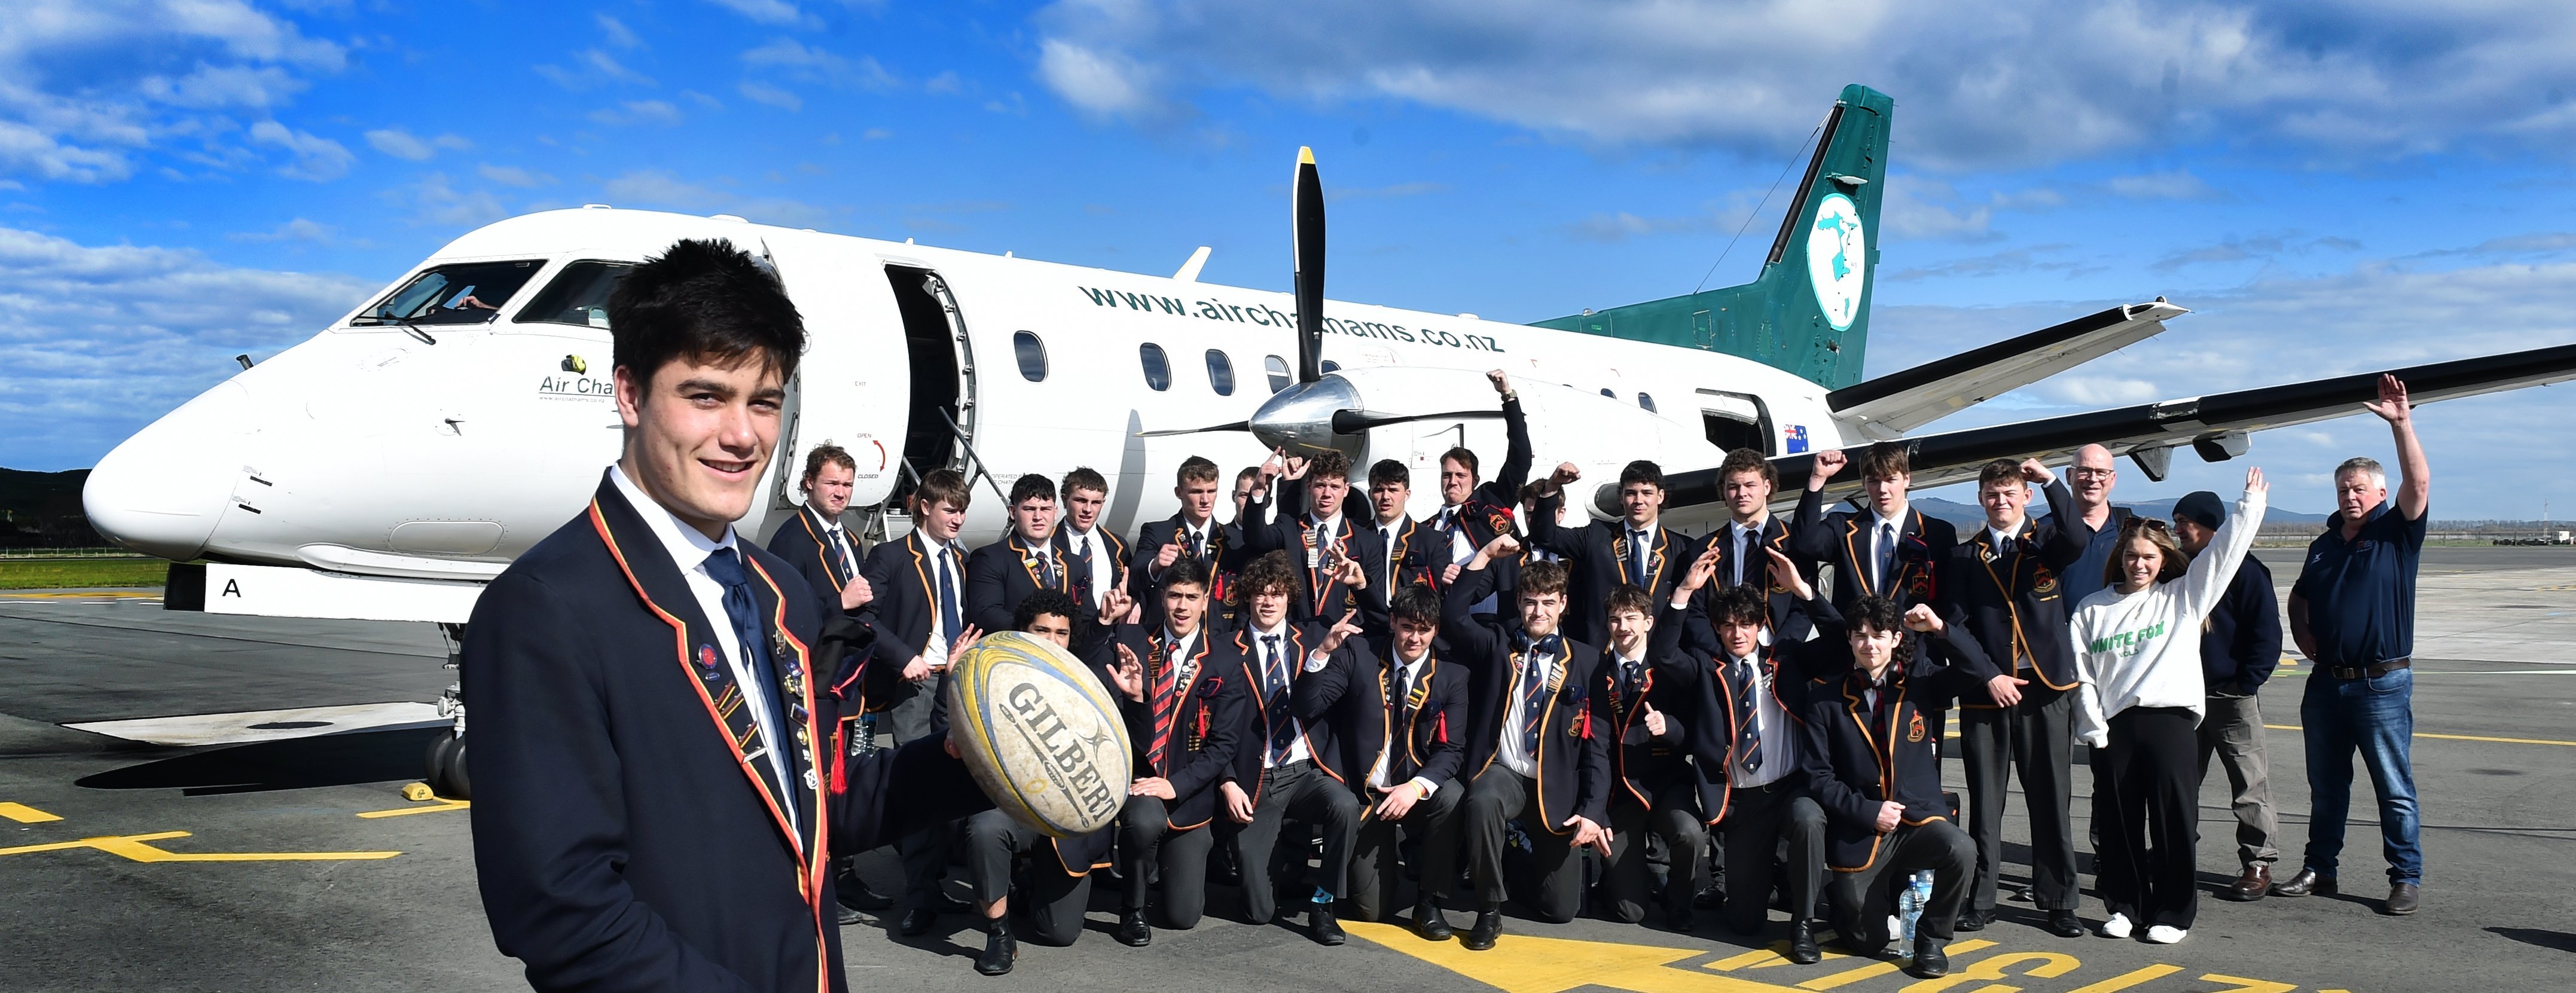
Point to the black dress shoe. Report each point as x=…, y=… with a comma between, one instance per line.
x=2403, y=898
x=853, y=892
x=2064, y=924
x=917, y=922
x=1802, y=943
x=1133, y=932
x=1489, y=926
x=1430, y=923
x=999, y=949
x=2307, y=882
x=1974, y=920
x=1680, y=918
x=1929, y=961
x=849, y=916
x=1321, y=926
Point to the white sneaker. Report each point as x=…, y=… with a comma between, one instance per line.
x=2117, y=927
x=2166, y=934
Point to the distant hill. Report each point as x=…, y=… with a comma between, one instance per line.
x=43, y=510
x=1969, y=515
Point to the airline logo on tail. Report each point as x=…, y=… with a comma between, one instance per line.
x=1836, y=245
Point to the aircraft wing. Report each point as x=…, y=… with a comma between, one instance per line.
x=2214, y=425
x=1890, y=405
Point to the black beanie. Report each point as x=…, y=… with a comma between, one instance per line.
x=2201, y=507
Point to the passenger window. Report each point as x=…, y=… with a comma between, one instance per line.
x=1278, y=369
x=1605, y=391
x=1158, y=369
x=1332, y=366
x=1032, y=355
x=578, y=295
x=1646, y=400
x=1220, y=373
x=471, y=293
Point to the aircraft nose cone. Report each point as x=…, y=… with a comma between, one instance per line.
x=161, y=492
x=1300, y=418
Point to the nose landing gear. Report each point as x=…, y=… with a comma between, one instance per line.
x=445, y=773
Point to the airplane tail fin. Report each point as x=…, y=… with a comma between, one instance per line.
x=1808, y=311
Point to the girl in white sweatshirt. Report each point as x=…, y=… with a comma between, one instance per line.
x=2137, y=650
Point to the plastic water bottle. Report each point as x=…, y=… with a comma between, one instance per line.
x=1910, y=904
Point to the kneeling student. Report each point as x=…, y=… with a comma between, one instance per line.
x=1870, y=761
x=1538, y=750
x=1753, y=697
x=1059, y=880
x=1277, y=772
x=1391, y=720
x=1185, y=714
x=1653, y=787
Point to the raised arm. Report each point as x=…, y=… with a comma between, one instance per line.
x=2206, y=581
x=1516, y=456
x=2066, y=537
x=1807, y=535
x=2415, y=492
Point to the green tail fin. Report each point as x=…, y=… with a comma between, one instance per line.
x=1808, y=312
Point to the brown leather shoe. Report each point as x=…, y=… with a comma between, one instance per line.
x=2403, y=897
x=2305, y=883
x=2250, y=886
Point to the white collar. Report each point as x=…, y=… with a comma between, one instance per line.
x=1277, y=632
x=1877, y=522
x=1395, y=524
x=1070, y=532
x=936, y=546
x=687, y=547
x=1182, y=643
x=1649, y=529
x=2000, y=537
x=1755, y=528
x=1330, y=525
x=1040, y=547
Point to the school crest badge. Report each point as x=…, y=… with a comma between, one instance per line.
x=1914, y=729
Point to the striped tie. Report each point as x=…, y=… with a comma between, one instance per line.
x=1748, y=736
x=1166, y=679
x=1274, y=671
x=1533, y=688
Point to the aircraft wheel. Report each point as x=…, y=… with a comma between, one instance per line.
x=446, y=767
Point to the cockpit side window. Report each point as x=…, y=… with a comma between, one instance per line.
x=577, y=296
x=466, y=293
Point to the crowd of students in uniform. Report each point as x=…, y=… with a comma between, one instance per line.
x=1464, y=709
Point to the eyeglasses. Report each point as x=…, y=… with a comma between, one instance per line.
x=2083, y=473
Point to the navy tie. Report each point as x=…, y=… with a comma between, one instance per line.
x=1274, y=671
x=1637, y=555
x=750, y=636
x=952, y=621
x=1534, y=689
x=1748, y=738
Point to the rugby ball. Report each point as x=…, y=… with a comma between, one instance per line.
x=1041, y=734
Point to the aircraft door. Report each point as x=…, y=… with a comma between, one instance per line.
x=939, y=430
x=853, y=386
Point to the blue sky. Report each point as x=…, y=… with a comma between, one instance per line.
x=2332, y=187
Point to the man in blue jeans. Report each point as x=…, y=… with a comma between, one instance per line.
x=2352, y=612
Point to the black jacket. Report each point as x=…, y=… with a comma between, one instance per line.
x=1324, y=599
x=1573, y=752
x=1788, y=622
x=903, y=576
x=1296, y=642
x=1208, y=721
x=799, y=542
x=1001, y=574
x=2011, y=599
x=2241, y=640
x=1104, y=544
x=1491, y=508
x=1643, y=763
x=1596, y=556
x=1226, y=555
x=1837, y=539
x=621, y=842
x=1343, y=707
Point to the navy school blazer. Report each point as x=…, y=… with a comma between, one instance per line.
x=1596, y=560
x=1573, y=751
x=622, y=840
x=1208, y=720
x=1003, y=573
x=1853, y=765
x=2011, y=598
x=1343, y=707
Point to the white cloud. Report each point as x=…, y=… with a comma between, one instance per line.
x=771, y=95
x=316, y=158
x=299, y=229
x=148, y=72
x=769, y=12
x=617, y=33
x=2179, y=184
x=99, y=340
x=659, y=188
x=435, y=202
x=592, y=67
x=638, y=112
x=1994, y=83
x=402, y=145
x=804, y=63
x=512, y=176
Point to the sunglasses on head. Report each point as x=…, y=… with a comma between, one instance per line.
x=2144, y=524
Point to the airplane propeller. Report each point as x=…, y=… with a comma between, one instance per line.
x=1312, y=414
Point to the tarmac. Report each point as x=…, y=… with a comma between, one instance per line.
x=279, y=852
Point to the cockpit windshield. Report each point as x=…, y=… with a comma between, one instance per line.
x=578, y=295
x=470, y=293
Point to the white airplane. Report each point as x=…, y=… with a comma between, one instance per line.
x=394, y=463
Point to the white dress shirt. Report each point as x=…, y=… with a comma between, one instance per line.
x=689, y=549
x=1516, y=715
x=1745, y=565
x=1103, y=575
x=1324, y=528
x=840, y=538
x=1770, y=723
x=1406, y=674
x=1890, y=530
x=1261, y=641
x=934, y=646
x=1461, y=546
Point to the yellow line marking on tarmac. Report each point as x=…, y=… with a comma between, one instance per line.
x=2457, y=737
x=24, y=814
x=427, y=809
x=132, y=847
x=2136, y=977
